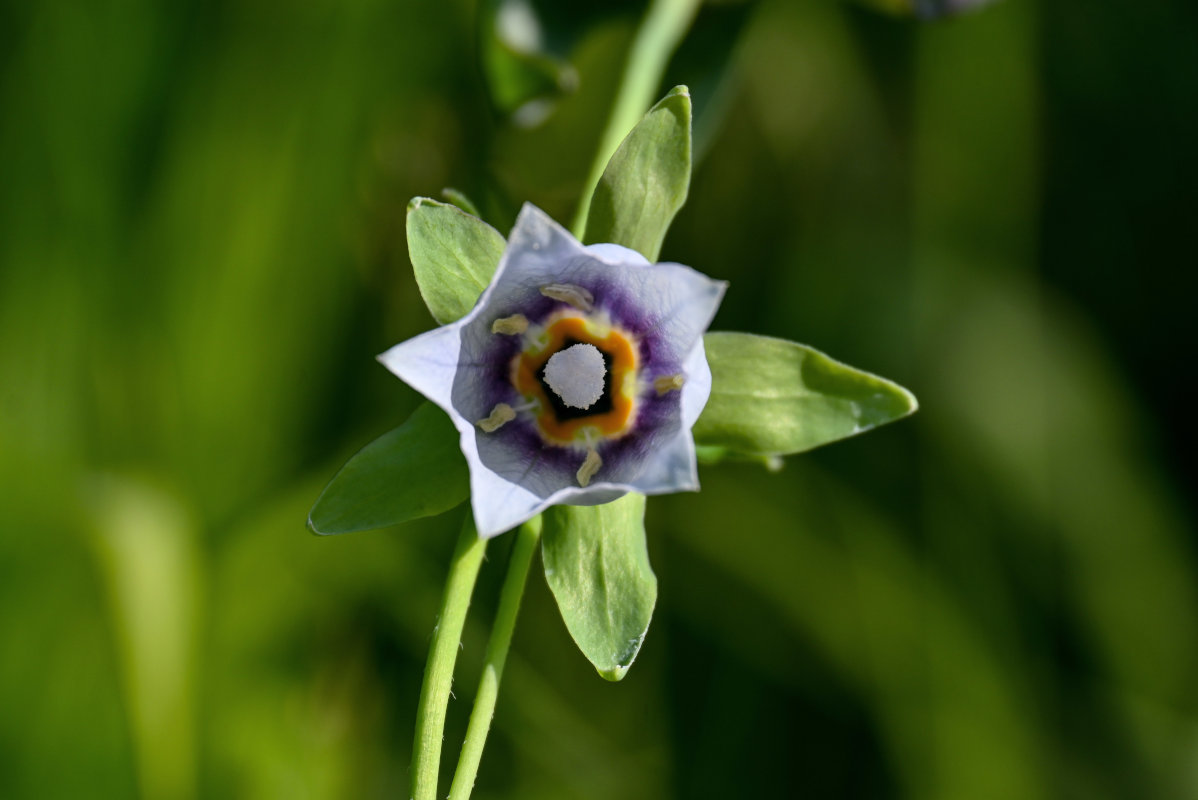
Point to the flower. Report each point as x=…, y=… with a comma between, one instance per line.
x=576, y=378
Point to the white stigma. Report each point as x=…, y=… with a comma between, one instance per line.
x=576, y=375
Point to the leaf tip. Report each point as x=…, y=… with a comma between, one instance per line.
x=912, y=400
x=615, y=675
x=417, y=202
x=909, y=402
x=677, y=101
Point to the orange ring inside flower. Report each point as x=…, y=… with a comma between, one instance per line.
x=619, y=347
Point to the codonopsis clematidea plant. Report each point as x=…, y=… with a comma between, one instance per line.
x=567, y=382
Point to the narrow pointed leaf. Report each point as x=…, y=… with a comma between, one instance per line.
x=413, y=471
x=597, y=565
x=773, y=397
x=454, y=255
x=646, y=181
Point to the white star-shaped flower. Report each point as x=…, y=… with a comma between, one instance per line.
x=576, y=378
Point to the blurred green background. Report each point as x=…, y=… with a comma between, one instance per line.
x=201, y=250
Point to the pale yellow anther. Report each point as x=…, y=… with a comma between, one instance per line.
x=589, y=467
x=576, y=296
x=500, y=416
x=668, y=383
x=514, y=325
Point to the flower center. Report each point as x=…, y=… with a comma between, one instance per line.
x=576, y=375
x=583, y=375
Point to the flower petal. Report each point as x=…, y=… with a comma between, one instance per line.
x=617, y=254
x=671, y=468
x=697, y=388
x=428, y=363
x=498, y=504
x=680, y=302
x=539, y=252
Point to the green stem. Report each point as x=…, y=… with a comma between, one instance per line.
x=501, y=639
x=438, y=672
x=665, y=23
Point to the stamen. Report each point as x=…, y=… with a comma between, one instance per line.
x=589, y=467
x=514, y=325
x=533, y=405
x=576, y=296
x=668, y=383
x=500, y=416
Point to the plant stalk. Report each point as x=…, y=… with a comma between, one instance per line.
x=497, y=649
x=659, y=35
x=443, y=653
x=666, y=22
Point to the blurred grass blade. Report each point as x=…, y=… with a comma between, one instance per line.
x=646, y=181
x=146, y=546
x=707, y=60
x=454, y=255
x=597, y=565
x=771, y=396
x=413, y=471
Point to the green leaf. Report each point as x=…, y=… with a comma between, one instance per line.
x=597, y=565
x=413, y=471
x=454, y=255
x=770, y=396
x=647, y=179
x=712, y=455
